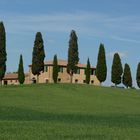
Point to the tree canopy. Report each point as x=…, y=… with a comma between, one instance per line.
x=138, y=75
x=127, y=78
x=88, y=72
x=55, y=69
x=38, y=55
x=101, y=68
x=21, y=75
x=73, y=54
x=3, y=54
x=117, y=70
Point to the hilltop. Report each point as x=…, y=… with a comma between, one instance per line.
x=68, y=111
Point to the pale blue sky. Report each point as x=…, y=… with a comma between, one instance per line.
x=116, y=23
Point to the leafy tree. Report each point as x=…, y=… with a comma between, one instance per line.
x=117, y=70
x=127, y=78
x=88, y=71
x=73, y=55
x=101, y=68
x=55, y=69
x=38, y=55
x=3, y=54
x=21, y=76
x=138, y=75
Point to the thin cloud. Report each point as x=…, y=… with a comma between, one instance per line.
x=102, y=25
x=121, y=54
x=124, y=39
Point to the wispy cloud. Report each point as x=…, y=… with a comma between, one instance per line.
x=106, y=26
x=124, y=39
x=121, y=54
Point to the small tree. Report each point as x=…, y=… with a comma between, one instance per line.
x=21, y=76
x=3, y=54
x=138, y=75
x=73, y=55
x=127, y=78
x=117, y=70
x=38, y=55
x=88, y=71
x=101, y=68
x=55, y=69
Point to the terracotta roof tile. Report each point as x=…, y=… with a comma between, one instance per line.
x=10, y=76
x=64, y=63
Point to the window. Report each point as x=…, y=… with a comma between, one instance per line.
x=85, y=71
x=33, y=80
x=5, y=82
x=47, y=81
x=92, y=72
x=92, y=81
x=84, y=81
x=59, y=79
x=61, y=69
x=76, y=80
x=78, y=71
x=45, y=68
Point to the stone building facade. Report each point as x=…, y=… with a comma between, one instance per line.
x=12, y=79
x=63, y=76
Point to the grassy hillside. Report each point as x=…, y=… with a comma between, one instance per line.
x=69, y=112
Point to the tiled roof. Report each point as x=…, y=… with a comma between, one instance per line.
x=10, y=76
x=64, y=63
x=60, y=62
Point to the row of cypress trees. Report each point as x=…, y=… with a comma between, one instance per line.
x=118, y=75
x=3, y=57
x=38, y=55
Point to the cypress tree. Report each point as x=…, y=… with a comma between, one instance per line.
x=38, y=55
x=21, y=76
x=3, y=54
x=55, y=69
x=127, y=78
x=138, y=75
x=101, y=68
x=117, y=70
x=73, y=55
x=88, y=71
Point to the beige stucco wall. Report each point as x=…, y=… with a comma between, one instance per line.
x=15, y=81
x=65, y=78
x=11, y=82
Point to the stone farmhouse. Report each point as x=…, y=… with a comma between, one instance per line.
x=46, y=76
x=12, y=79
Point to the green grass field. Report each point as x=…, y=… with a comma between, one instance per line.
x=69, y=112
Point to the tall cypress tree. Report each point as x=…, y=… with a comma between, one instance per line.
x=55, y=69
x=101, y=68
x=73, y=55
x=127, y=78
x=3, y=54
x=117, y=70
x=38, y=55
x=88, y=71
x=21, y=76
x=138, y=75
